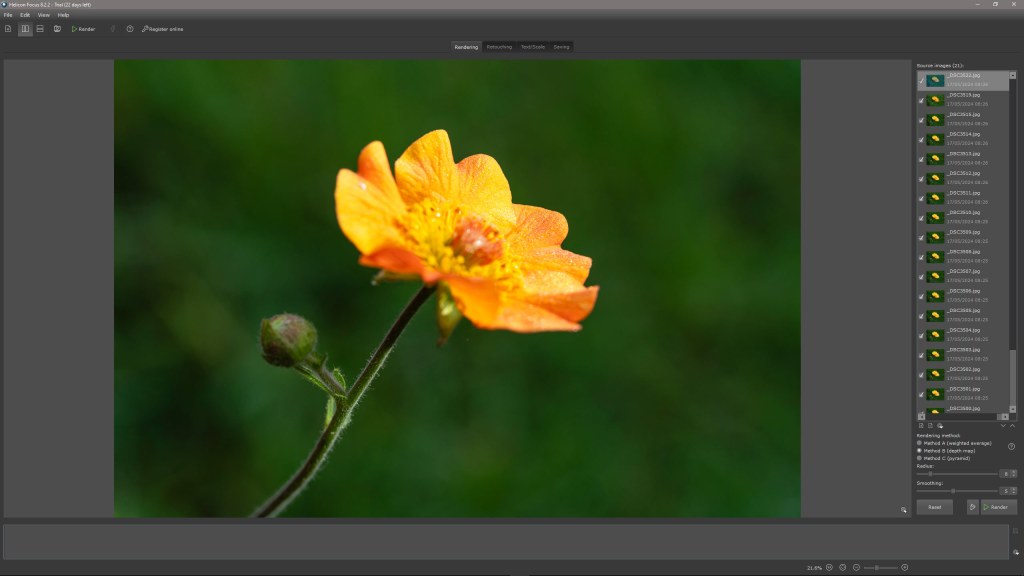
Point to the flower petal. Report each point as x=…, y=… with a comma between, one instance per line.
x=555, y=259
x=374, y=166
x=427, y=169
x=482, y=302
x=478, y=299
x=522, y=316
x=536, y=240
x=571, y=306
x=365, y=212
x=400, y=261
x=547, y=281
x=484, y=191
x=537, y=228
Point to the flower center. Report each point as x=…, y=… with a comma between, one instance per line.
x=476, y=242
x=451, y=241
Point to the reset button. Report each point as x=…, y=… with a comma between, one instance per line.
x=934, y=507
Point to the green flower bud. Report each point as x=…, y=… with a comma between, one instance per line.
x=448, y=314
x=287, y=339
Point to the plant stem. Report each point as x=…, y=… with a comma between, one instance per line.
x=346, y=404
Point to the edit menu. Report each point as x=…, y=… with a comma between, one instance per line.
x=965, y=376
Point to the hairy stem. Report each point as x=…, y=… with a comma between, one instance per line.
x=346, y=404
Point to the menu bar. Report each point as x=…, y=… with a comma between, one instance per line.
x=521, y=5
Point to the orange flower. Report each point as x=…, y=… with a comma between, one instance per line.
x=455, y=224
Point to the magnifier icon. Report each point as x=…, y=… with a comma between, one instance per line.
x=903, y=509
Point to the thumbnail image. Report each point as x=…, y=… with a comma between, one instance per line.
x=935, y=374
x=935, y=217
x=935, y=355
x=935, y=316
x=935, y=100
x=935, y=178
x=935, y=119
x=936, y=198
x=936, y=411
x=936, y=296
x=935, y=257
x=935, y=140
x=936, y=80
x=569, y=270
x=935, y=237
x=935, y=394
x=935, y=276
x=936, y=159
x=935, y=336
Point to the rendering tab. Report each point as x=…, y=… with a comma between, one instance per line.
x=466, y=45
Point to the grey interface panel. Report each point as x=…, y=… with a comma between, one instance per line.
x=965, y=268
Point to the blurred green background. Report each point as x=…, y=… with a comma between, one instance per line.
x=679, y=398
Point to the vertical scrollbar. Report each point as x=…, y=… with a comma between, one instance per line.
x=1014, y=241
